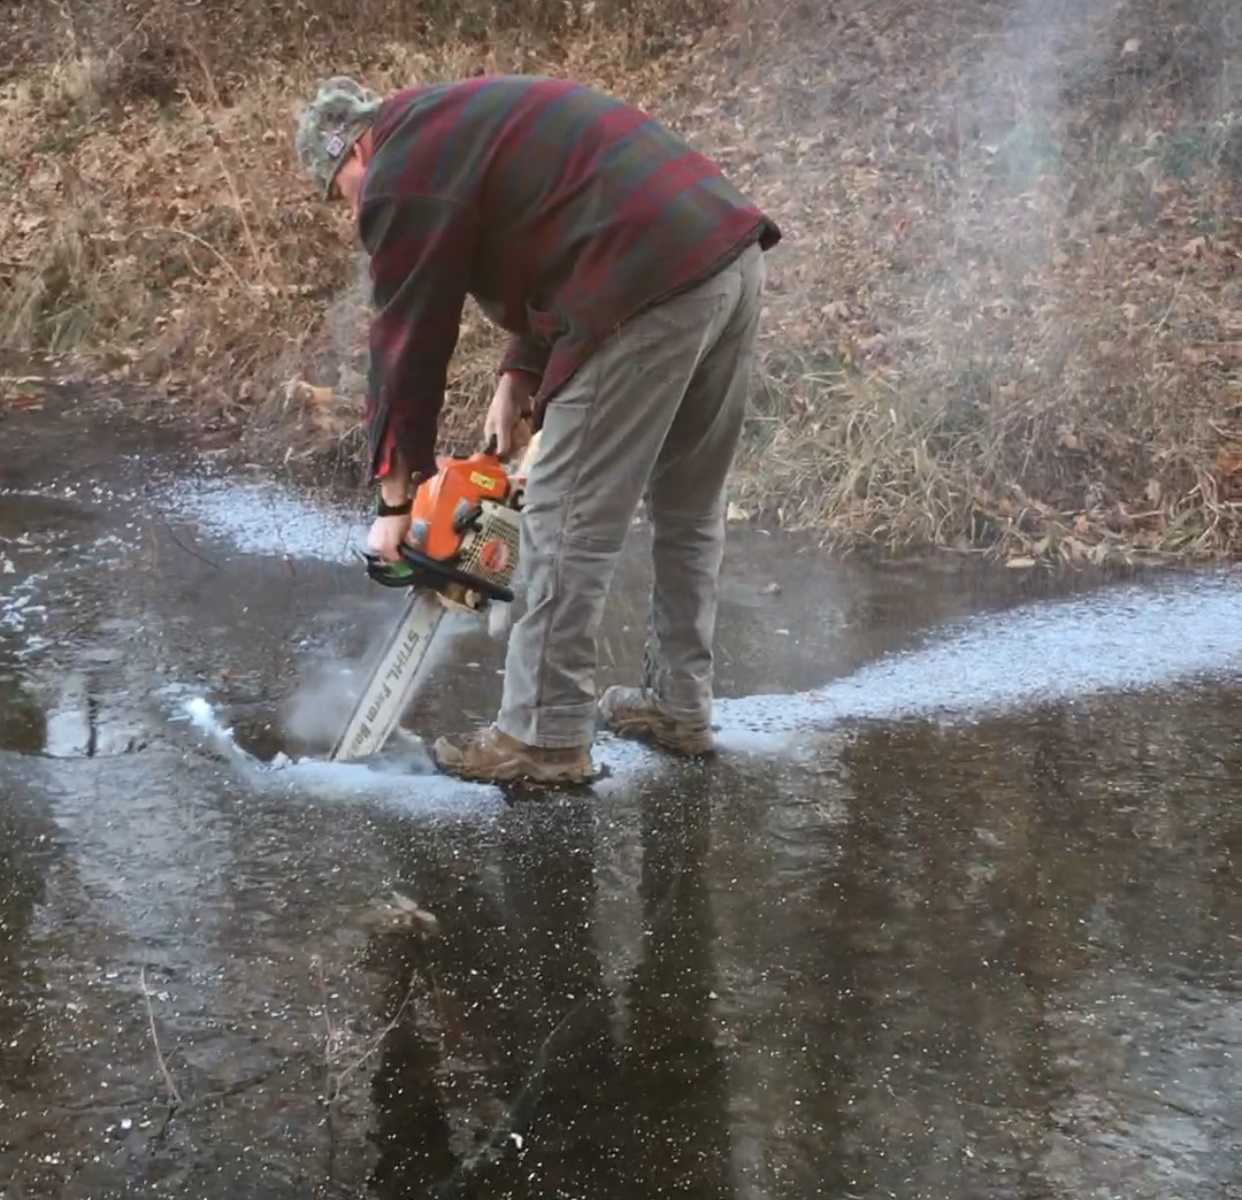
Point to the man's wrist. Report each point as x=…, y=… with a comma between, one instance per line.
x=384, y=509
x=396, y=494
x=395, y=488
x=524, y=385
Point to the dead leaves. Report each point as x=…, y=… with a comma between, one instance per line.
x=30, y=223
x=330, y=416
x=1229, y=472
x=1067, y=439
x=398, y=912
x=22, y=393
x=1067, y=550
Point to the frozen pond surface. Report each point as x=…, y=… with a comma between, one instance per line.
x=957, y=911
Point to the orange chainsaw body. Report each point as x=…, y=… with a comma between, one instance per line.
x=459, y=486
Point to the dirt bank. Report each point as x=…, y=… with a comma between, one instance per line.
x=1003, y=318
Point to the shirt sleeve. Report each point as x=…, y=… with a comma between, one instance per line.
x=421, y=249
x=526, y=354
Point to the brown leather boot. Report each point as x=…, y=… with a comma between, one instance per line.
x=494, y=757
x=636, y=713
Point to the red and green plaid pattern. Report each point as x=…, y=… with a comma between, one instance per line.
x=562, y=211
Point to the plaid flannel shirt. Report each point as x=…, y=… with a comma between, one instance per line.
x=562, y=211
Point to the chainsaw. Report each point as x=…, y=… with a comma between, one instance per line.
x=460, y=554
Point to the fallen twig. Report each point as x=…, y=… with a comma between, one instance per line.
x=182, y=546
x=174, y=1094
x=376, y=1041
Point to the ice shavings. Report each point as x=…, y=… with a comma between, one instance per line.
x=407, y=790
x=1119, y=639
x=264, y=519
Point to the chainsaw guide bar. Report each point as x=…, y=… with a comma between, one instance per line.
x=391, y=685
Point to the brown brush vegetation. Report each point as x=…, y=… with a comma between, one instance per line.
x=1004, y=317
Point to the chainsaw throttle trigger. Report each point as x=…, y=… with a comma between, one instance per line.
x=393, y=574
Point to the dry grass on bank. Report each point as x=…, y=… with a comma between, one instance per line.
x=1004, y=316
x=157, y=223
x=1011, y=319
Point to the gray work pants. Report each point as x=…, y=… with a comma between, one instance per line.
x=655, y=412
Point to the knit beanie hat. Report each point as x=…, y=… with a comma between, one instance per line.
x=328, y=127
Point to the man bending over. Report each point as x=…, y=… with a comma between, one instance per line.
x=629, y=274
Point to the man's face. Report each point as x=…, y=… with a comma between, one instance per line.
x=348, y=182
